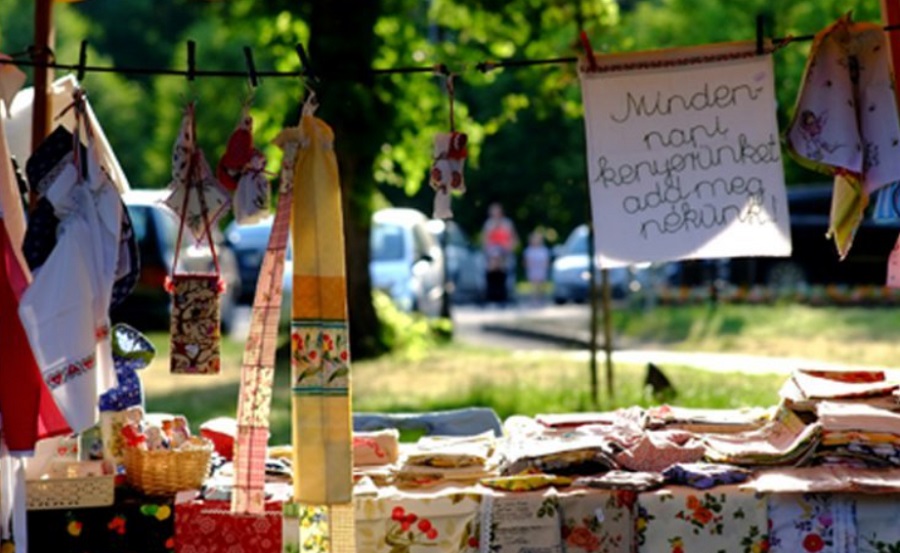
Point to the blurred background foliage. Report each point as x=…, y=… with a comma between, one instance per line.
x=525, y=127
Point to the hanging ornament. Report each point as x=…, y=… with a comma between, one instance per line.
x=195, y=319
x=242, y=171
x=197, y=198
x=447, y=168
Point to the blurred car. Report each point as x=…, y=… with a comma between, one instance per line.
x=249, y=243
x=814, y=258
x=465, y=262
x=406, y=261
x=156, y=230
x=571, y=277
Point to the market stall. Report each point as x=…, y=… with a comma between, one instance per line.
x=683, y=162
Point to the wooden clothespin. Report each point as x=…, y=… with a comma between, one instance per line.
x=191, y=60
x=251, y=67
x=760, y=34
x=306, y=68
x=588, y=51
x=82, y=61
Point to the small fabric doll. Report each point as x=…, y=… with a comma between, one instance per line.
x=156, y=440
x=447, y=170
x=241, y=170
x=181, y=432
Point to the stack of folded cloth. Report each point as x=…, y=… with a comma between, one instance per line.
x=448, y=459
x=706, y=421
x=375, y=455
x=806, y=388
x=564, y=449
x=785, y=440
x=858, y=435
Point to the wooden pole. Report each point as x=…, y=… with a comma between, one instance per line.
x=607, y=334
x=592, y=289
x=40, y=122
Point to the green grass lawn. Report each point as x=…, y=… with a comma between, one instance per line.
x=854, y=335
x=453, y=376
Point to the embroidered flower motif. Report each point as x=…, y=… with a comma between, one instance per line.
x=813, y=543
x=60, y=376
x=703, y=513
x=407, y=530
x=582, y=537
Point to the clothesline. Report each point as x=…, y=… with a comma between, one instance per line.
x=305, y=70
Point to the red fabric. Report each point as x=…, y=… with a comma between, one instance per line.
x=208, y=527
x=237, y=155
x=26, y=406
x=500, y=236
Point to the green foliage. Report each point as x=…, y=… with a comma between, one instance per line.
x=525, y=128
x=408, y=334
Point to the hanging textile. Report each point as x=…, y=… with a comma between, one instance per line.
x=447, y=168
x=27, y=404
x=320, y=363
x=196, y=196
x=195, y=320
x=65, y=311
x=11, y=80
x=258, y=369
x=845, y=122
x=242, y=171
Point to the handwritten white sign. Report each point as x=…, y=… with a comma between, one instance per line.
x=684, y=161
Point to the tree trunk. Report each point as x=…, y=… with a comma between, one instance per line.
x=342, y=45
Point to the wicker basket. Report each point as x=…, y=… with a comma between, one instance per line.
x=168, y=471
x=66, y=493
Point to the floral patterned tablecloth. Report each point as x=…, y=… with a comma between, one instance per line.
x=684, y=520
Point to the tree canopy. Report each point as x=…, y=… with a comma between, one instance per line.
x=524, y=124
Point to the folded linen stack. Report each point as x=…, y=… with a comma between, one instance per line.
x=785, y=440
x=707, y=421
x=806, y=388
x=858, y=435
x=444, y=459
x=375, y=455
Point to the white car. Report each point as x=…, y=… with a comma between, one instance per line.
x=406, y=261
x=571, y=275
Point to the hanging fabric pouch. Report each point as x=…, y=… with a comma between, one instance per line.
x=195, y=323
x=195, y=319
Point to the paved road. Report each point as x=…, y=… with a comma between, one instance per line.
x=562, y=331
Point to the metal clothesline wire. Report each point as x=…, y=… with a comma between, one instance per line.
x=435, y=69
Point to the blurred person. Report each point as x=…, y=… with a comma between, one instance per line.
x=500, y=242
x=536, y=258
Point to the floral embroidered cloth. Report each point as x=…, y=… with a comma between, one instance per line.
x=597, y=521
x=447, y=170
x=445, y=522
x=320, y=352
x=196, y=196
x=684, y=520
x=845, y=121
x=814, y=523
x=73, y=290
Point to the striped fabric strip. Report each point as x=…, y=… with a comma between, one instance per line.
x=320, y=353
x=258, y=370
